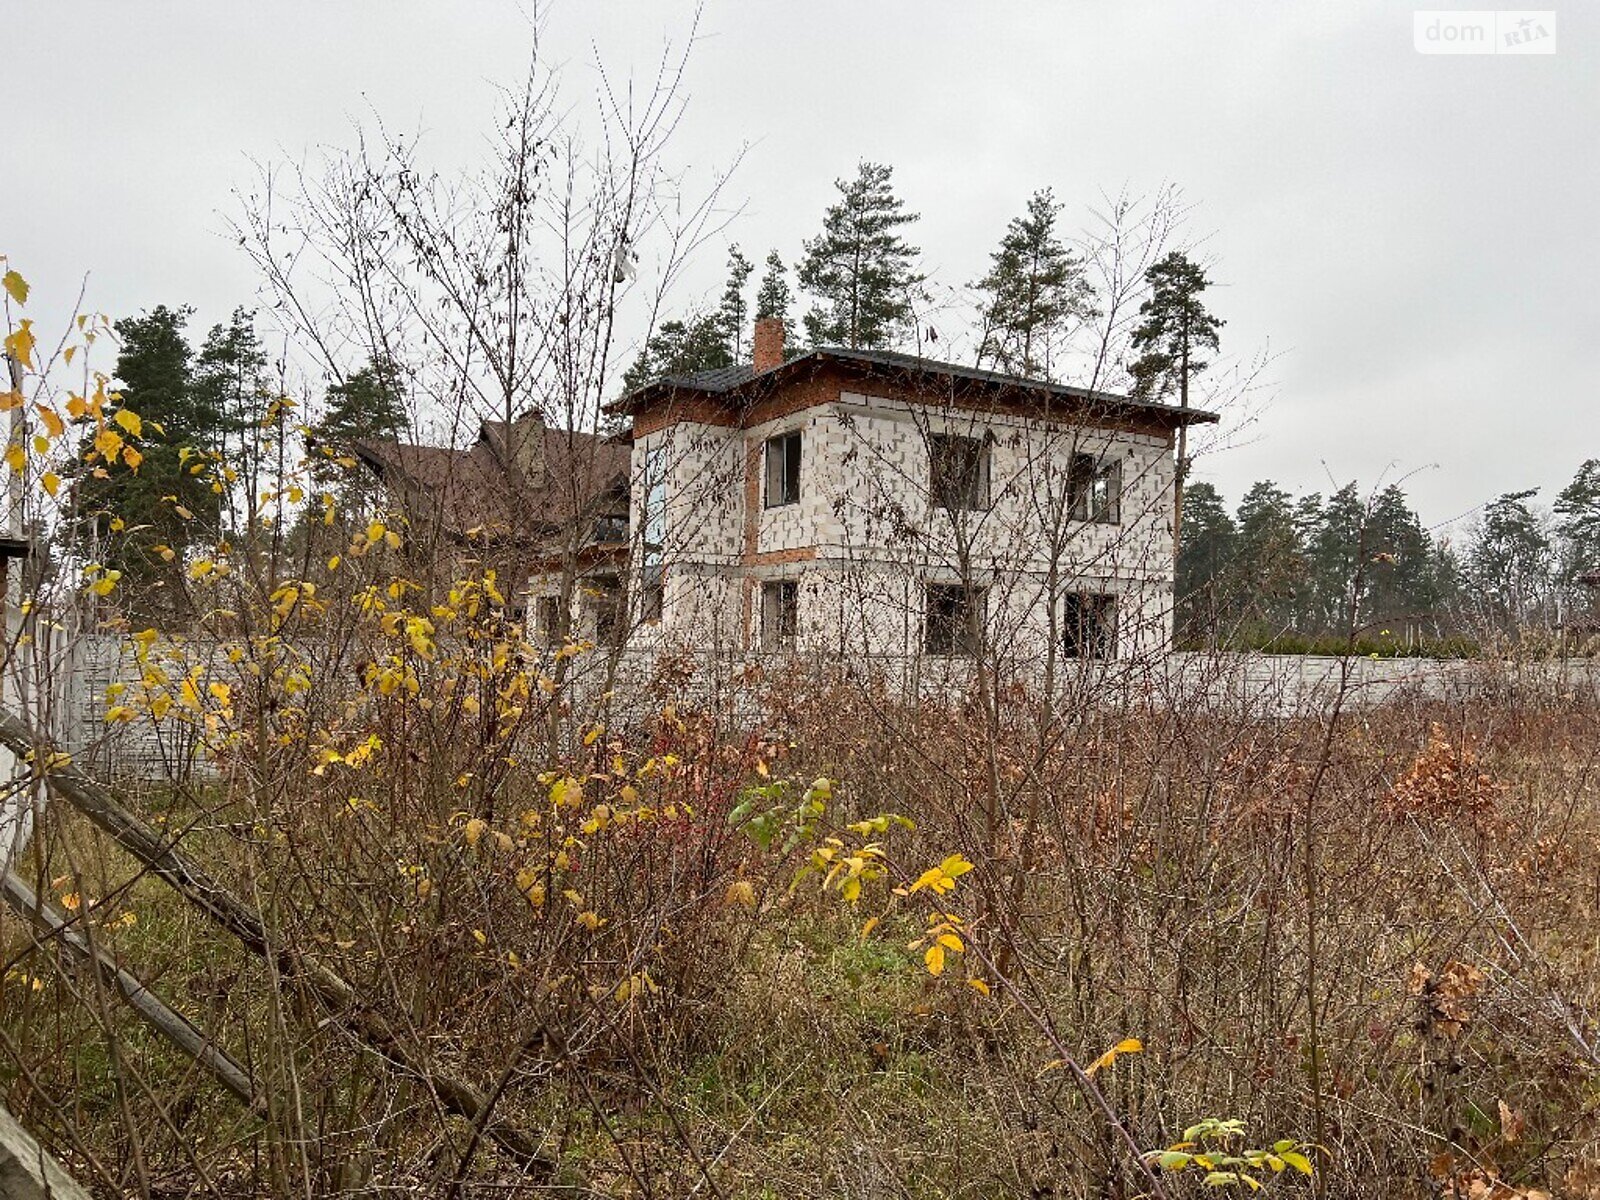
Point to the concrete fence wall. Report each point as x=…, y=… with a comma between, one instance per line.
x=630, y=686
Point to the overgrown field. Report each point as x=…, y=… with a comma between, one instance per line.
x=688, y=959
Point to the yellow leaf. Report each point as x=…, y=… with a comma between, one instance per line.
x=740, y=893
x=16, y=287
x=951, y=942
x=868, y=926
x=109, y=443
x=978, y=985
x=590, y=921
x=955, y=865
x=1126, y=1046
x=129, y=421
x=106, y=583
x=21, y=343
x=933, y=959
x=16, y=458
x=53, y=423
x=132, y=457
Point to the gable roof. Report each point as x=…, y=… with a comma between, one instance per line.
x=743, y=380
x=480, y=491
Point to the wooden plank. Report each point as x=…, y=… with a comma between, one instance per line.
x=27, y=1172
x=169, y=1024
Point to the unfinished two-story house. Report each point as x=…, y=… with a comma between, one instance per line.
x=877, y=505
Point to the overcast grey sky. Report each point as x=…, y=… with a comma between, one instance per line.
x=1413, y=235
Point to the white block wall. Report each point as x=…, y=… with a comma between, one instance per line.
x=865, y=539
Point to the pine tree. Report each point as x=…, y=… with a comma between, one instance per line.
x=1508, y=563
x=230, y=380
x=1577, y=511
x=1176, y=330
x=735, y=309
x=125, y=516
x=1205, y=564
x=682, y=347
x=859, y=267
x=1034, y=287
x=773, y=297
x=1269, y=566
x=1401, y=587
x=369, y=403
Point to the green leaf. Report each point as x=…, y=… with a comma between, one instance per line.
x=1173, y=1160
x=1221, y=1178
x=16, y=287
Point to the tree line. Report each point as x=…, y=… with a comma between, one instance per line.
x=866, y=291
x=1286, y=570
x=218, y=402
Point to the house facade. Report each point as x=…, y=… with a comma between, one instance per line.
x=525, y=499
x=875, y=505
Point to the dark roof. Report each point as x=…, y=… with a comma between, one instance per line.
x=719, y=379
x=480, y=490
x=731, y=380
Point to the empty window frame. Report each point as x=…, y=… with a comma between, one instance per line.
x=783, y=469
x=610, y=613
x=954, y=619
x=780, y=614
x=653, y=536
x=609, y=529
x=1094, y=486
x=652, y=588
x=547, y=619
x=1089, y=625
x=958, y=471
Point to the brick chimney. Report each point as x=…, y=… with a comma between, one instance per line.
x=525, y=438
x=767, y=351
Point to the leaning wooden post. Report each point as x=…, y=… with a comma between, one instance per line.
x=196, y=885
x=169, y=1024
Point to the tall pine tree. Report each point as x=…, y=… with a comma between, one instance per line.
x=773, y=297
x=134, y=521
x=735, y=309
x=230, y=379
x=1509, y=560
x=369, y=403
x=1176, y=330
x=860, y=268
x=1035, y=287
x=1205, y=565
x=1171, y=341
x=696, y=343
x=1269, y=567
x=1577, y=511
